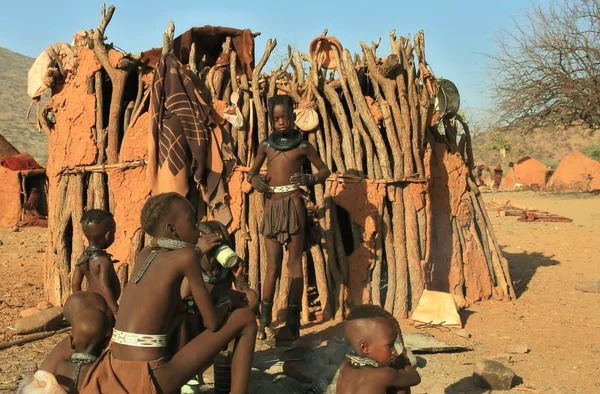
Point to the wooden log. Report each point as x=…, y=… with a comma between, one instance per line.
x=401, y=292
x=118, y=77
x=389, y=88
x=321, y=281
x=75, y=196
x=390, y=257
x=282, y=291
x=417, y=281
x=390, y=132
x=470, y=159
x=376, y=277
x=137, y=244
x=32, y=338
x=261, y=111
x=403, y=128
x=422, y=226
x=356, y=135
x=305, y=305
x=326, y=128
x=413, y=101
x=369, y=153
x=97, y=181
x=344, y=124
x=335, y=148
x=366, y=116
x=219, y=75
x=299, y=69
x=254, y=247
x=62, y=243
x=459, y=289
x=502, y=272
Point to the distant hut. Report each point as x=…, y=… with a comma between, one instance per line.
x=576, y=172
x=19, y=175
x=527, y=173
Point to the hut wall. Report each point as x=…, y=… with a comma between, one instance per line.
x=10, y=197
x=399, y=214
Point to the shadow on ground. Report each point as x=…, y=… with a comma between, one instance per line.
x=466, y=386
x=523, y=266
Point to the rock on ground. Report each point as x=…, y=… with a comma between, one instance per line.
x=44, y=305
x=588, y=286
x=493, y=375
x=28, y=312
x=517, y=349
x=46, y=320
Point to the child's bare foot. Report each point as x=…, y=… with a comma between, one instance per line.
x=261, y=334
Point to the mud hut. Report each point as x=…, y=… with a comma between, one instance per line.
x=527, y=173
x=19, y=175
x=576, y=172
x=400, y=212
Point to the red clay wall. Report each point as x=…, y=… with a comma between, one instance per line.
x=10, y=198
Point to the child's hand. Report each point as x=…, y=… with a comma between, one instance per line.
x=209, y=241
x=260, y=183
x=299, y=178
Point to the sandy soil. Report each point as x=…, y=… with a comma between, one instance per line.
x=560, y=325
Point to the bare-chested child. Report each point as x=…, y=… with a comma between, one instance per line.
x=95, y=264
x=87, y=340
x=375, y=367
x=285, y=213
x=137, y=362
x=76, y=303
x=219, y=278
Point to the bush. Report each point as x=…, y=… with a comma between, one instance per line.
x=592, y=151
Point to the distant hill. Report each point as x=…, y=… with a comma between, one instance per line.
x=547, y=144
x=14, y=102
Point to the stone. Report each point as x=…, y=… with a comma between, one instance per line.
x=501, y=358
x=492, y=375
x=44, y=305
x=28, y=312
x=1, y=243
x=462, y=333
x=46, y=320
x=22, y=284
x=288, y=385
x=517, y=349
x=14, y=230
x=588, y=286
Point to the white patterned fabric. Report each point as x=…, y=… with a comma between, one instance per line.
x=283, y=189
x=138, y=340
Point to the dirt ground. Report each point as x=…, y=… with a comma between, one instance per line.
x=560, y=325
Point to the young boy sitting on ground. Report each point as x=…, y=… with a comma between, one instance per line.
x=375, y=367
x=284, y=221
x=137, y=362
x=87, y=340
x=218, y=280
x=76, y=303
x=95, y=264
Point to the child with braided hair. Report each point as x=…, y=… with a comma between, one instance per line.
x=375, y=367
x=137, y=362
x=284, y=219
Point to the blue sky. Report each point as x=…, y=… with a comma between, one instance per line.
x=457, y=33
